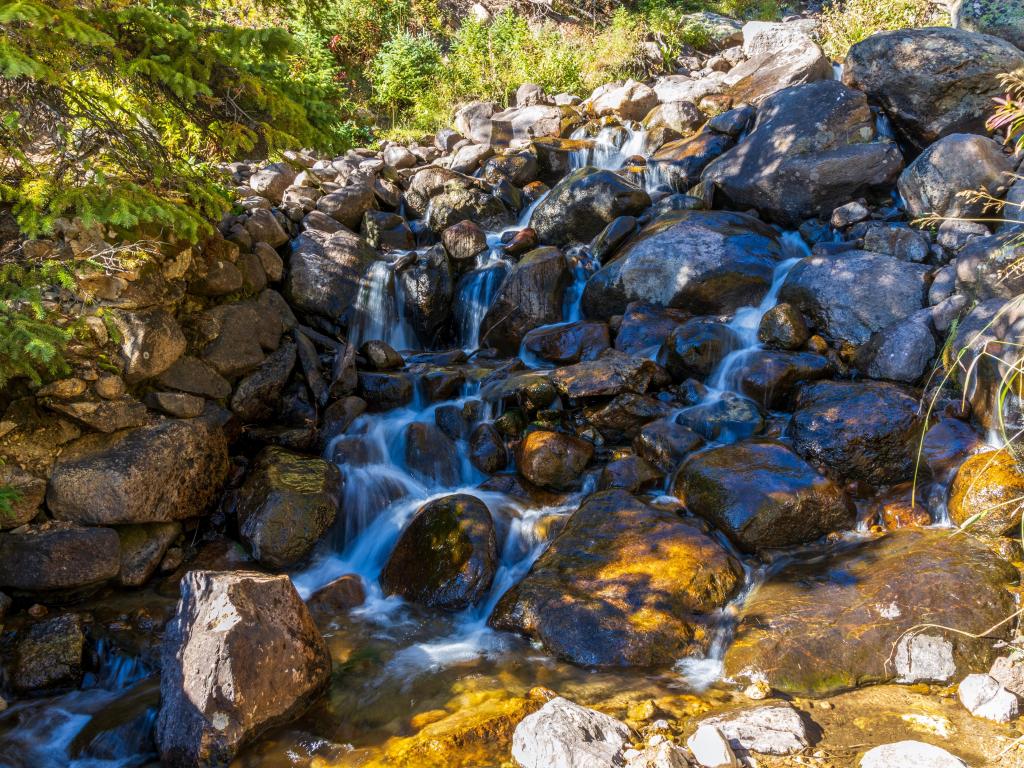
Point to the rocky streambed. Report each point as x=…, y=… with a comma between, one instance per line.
x=585, y=433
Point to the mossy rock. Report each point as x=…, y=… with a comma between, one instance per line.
x=1000, y=18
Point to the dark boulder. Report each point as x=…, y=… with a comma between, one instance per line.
x=583, y=204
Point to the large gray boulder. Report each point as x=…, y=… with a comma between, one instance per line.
x=170, y=470
x=583, y=204
x=531, y=295
x=812, y=149
x=770, y=70
x=961, y=162
x=932, y=82
x=565, y=735
x=428, y=287
x=706, y=262
x=241, y=655
x=325, y=271
x=999, y=18
x=852, y=295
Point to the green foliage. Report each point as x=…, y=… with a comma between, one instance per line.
x=845, y=23
x=404, y=69
x=8, y=497
x=105, y=106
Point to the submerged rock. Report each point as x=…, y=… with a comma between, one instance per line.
x=241, y=655
x=762, y=495
x=858, y=431
x=706, y=262
x=623, y=584
x=287, y=504
x=821, y=628
x=446, y=557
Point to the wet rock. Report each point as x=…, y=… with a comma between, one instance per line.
x=645, y=327
x=192, y=375
x=897, y=240
x=462, y=204
x=167, y=471
x=812, y=149
x=706, y=262
x=983, y=696
x=55, y=556
x=49, y=655
x=613, y=373
x=429, y=288
x=339, y=416
x=604, y=246
x=568, y=343
x=695, y=348
x=665, y=444
x=933, y=183
x=381, y=356
x=487, y=449
x=987, y=494
x=217, y=693
x=820, y=628
x=287, y=504
x=384, y=391
x=583, y=204
x=31, y=491
x=142, y=549
x=931, y=82
x=442, y=384
x=857, y=431
x=552, y=459
x=852, y=295
x=457, y=421
x=783, y=327
x=325, y=270
x=947, y=443
x=388, y=231
x=768, y=730
x=632, y=473
x=180, y=405
x=464, y=242
x=711, y=749
x=769, y=378
x=680, y=163
x=519, y=168
x=762, y=495
x=902, y=352
x=565, y=735
x=431, y=455
x=725, y=418
x=623, y=584
x=257, y=396
x=530, y=296
x=623, y=417
x=151, y=341
x=337, y=597
x=446, y=557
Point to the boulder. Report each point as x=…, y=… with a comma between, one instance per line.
x=706, y=262
x=531, y=295
x=724, y=418
x=257, y=397
x=812, y=149
x=621, y=419
x=552, y=459
x=986, y=268
x=568, y=343
x=56, y=557
x=565, y=735
x=695, y=348
x=348, y=204
x=217, y=690
x=645, y=327
x=446, y=557
x=858, y=431
x=431, y=455
x=825, y=626
x=665, y=444
x=987, y=494
x=518, y=123
x=932, y=82
x=629, y=100
x=960, y=162
x=769, y=730
x=271, y=182
x=902, y=352
x=458, y=204
x=630, y=473
x=910, y=754
x=150, y=340
x=769, y=378
x=852, y=295
x=487, y=449
x=143, y=548
x=762, y=495
x=192, y=375
x=464, y=242
x=383, y=391
x=623, y=584
x=999, y=18
x=31, y=491
x=325, y=272
x=170, y=470
x=679, y=164
x=755, y=80
x=49, y=655
x=613, y=373
x=286, y=505
x=234, y=347
x=680, y=117
x=584, y=203
x=428, y=287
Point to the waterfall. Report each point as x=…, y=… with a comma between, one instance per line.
x=474, y=295
x=611, y=148
x=379, y=311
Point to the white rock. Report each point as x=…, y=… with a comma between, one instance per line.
x=565, y=735
x=910, y=754
x=711, y=749
x=661, y=755
x=983, y=696
x=1008, y=671
x=630, y=100
x=772, y=37
x=921, y=658
x=770, y=730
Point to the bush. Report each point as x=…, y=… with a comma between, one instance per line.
x=844, y=23
x=404, y=70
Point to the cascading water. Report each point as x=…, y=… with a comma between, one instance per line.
x=611, y=148
x=379, y=310
x=475, y=293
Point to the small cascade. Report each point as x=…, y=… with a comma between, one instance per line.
x=475, y=293
x=611, y=148
x=379, y=310
x=583, y=267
